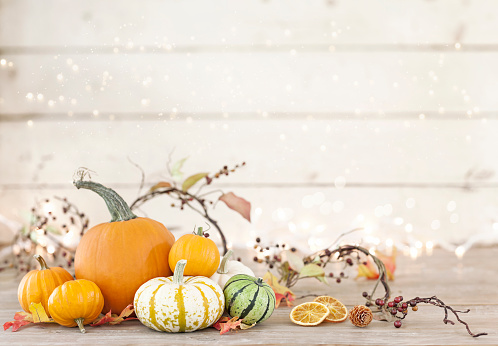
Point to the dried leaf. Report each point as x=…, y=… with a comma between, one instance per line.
x=295, y=262
x=176, y=173
x=113, y=319
x=15, y=325
x=322, y=279
x=281, y=292
x=244, y=326
x=238, y=204
x=102, y=320
x=369, y=270
x=22, y=318
x=280, y=297
x=311, y=270
x=192, y=180
x=225, y=324
x=231, y=324
x=38, y=313
x=218, y=323
x=160, y=185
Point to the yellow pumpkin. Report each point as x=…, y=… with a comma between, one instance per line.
x=201, y=253
x=37, y=285
x=76, y=303
x=178, y=304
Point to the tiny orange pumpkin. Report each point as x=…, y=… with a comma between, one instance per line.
x=201, y=253
x=76, y=303
x=37, y=285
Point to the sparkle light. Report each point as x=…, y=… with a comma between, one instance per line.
x=340, y=182
x=429, y=246
x=460, y=251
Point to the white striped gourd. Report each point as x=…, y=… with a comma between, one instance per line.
x=179, y=304
x=228, y=269
x=249, y=298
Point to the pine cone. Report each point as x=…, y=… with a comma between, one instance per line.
x=360, y=316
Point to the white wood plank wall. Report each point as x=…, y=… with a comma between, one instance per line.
x=395, y=98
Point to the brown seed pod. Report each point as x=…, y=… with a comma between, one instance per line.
x=360, y=316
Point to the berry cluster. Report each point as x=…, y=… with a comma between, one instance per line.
x=273, y=258
x=397, y=308
x=224, y=171
x=273, y=253
x=50, y=221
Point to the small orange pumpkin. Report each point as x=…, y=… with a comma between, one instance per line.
x=37, y=285
x=201, y=253
x=76, y=303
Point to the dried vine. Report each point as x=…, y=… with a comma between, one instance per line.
x=294, y=269
x=198, y=201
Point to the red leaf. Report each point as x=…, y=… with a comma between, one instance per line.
x=280, y=297
x=15, y=324
x=230, y=324
x=217, y=325
x=238, y=204
x=20, y=319
x=103, y=320
x=115, y=319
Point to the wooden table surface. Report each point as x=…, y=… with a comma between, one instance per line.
x=469, y=283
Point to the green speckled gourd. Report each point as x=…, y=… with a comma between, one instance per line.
x=249, y=298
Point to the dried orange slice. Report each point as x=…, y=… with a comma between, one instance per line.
x=338, y=312
x=309, y=314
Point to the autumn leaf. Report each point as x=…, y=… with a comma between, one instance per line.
x=160, y=185
x=38, y=313
x=244, y=326
x=280, y=297
x=22, y=318
x=311, y=270
x=192, y=180
x=176, y=172
x=369, y=270
x=281, y=292
x=238, y=204
x=225, y=324
x=295, y=262
x=113, y=319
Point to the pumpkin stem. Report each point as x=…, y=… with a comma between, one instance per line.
x=260, y=281
x=79, y=322
x=42, y=262
x=224, y=261
x=178, y=275
x=200, y=232
x=120, y=211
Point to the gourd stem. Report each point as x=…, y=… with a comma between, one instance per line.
x=260, y=281
x=42, y=262
x=178, y=275
x=224, y=262
x=79, y=322
x=200, y=232
x=120, y=211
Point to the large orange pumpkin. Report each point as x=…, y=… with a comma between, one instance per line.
x=37, y=285
x=121, y=255
x=202, y=254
